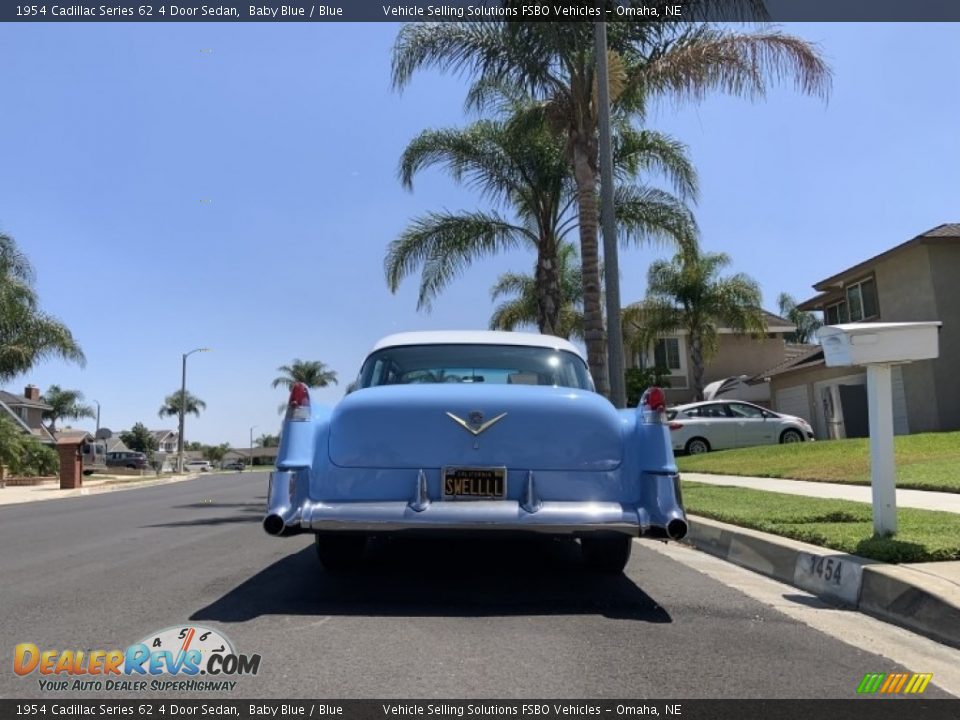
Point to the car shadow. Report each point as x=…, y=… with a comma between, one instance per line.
x=452, y=578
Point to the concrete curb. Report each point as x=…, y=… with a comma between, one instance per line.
x=899, y=594
x=109, y=486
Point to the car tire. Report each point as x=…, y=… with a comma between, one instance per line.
x=340, y=553
x=607, y=555
x=791, y=436
x=697, y=446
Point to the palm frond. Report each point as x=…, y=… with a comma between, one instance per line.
x=13, y=263
x=647, y=214
x=512, y=314
x=511, y=284
x=444, y=245
x=645, y=151
x=706, y=59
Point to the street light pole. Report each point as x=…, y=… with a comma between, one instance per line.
x=98, y=415
x=183, y=405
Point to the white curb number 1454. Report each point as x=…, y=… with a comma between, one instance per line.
x=828, y=574
x=827, y=568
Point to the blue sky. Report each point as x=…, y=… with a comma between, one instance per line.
x=234, y=186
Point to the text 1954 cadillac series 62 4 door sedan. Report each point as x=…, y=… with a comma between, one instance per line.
x=476, y=432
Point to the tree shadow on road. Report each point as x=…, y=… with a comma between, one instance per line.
x=242, y=513
x=449, y=578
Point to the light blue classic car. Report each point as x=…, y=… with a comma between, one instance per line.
x=475, y=432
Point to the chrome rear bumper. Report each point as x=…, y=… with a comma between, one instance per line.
x=291, y=511
x=498, y=515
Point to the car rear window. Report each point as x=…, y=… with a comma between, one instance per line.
x=488, y=364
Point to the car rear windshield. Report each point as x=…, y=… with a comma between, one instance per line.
x=488, y=364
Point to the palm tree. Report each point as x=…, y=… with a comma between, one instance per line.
x=311, y=373
x=555, y=63
x=807, y=323
x=521, y=290
x=190, y=403
x=688, y=294
x=64, y=404
x=516, y=163
x=27, y=334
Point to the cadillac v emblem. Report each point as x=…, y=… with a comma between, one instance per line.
x=475, y=424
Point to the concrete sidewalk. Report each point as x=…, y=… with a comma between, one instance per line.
x=12, y=494
x=923, y=499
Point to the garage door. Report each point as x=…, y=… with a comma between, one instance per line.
x=794, y=401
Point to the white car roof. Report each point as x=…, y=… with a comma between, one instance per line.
x=477, y=337
x=724, y=401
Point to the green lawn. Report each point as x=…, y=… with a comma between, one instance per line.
x=923, y=536
x=927, y=461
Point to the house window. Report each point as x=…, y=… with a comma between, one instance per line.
x=836, y=313
x=862, y=300
x=23, y=412
x=666, y=354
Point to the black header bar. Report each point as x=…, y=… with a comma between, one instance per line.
x=481, y=10
x=875, y=709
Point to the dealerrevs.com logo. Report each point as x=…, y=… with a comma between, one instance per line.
x=176, y=659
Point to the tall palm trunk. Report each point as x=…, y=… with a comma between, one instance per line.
x=593, y=330
x=696, y=356
x=549, y=294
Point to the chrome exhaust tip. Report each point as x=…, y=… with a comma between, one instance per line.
x=676, y=529
x=274, y=525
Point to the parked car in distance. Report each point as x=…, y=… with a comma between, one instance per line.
x=201, y=465
x=700, y=427
x=235, y=465
x=475, y=432
x=127, y=459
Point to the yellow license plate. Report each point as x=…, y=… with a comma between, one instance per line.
x=463, y=483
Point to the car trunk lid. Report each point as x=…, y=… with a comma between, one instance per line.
x=418, y=426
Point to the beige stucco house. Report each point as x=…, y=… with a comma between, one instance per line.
x=916, y=280
x=737, y=355
x=27, y=412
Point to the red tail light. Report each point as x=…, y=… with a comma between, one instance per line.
x=675, y=425
x=299, y=406
x=653, y=406
x=654, y=398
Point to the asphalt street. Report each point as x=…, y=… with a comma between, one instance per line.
x=421, y=619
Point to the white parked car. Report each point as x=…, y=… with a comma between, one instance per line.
x=721, y=424
x=201, y=465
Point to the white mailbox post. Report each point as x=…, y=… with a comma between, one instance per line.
x=878, y=346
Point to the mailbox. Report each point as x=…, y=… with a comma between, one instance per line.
x=868, y=343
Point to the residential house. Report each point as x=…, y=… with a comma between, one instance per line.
x=914, y=281
x=263, y=455
x=737, y=355
x=256, y=456
x=27, y=411
x=166, y=440
x=115, y=444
